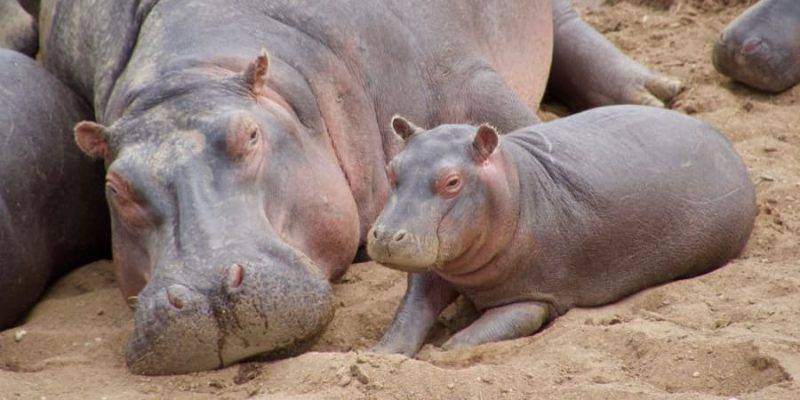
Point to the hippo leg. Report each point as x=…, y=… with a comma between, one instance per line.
x=17, y=28
x=511, y=321
x=761, y=48
x=427, y=295
x=589, y=71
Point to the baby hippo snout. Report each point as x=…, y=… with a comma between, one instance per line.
x=400, y=249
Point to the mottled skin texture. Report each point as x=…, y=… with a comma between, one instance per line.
x=577, y=212
x=263, y=175
x=761, y=48
x=17, y=28
x=52, y=214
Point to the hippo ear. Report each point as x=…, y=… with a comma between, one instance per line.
x=403, y=128
x=485, y=143
x=255, y=76
x=92, y=139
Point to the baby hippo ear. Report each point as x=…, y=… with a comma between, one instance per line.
x=92, y=139
x=403, y=128
x=255, y=76
x=485, y=142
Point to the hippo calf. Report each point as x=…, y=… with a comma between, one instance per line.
x=578, y=212
x=52, y=210
x=761, y=48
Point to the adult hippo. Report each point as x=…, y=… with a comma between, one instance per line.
x=52, y=214
x=761, y=48
x=17, y=28
x=239, y=183
x=577, y=212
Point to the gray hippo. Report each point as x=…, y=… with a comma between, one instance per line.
x=761, y=48
x=52, y=210
x=577, y=212
x=246, y=141
x=17, y=28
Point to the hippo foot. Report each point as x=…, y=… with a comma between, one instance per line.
x=655, y=91
x=405, y=349
x=501, y=323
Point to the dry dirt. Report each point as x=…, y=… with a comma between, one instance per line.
x=734, y=333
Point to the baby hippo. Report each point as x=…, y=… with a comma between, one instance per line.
x=578, y=212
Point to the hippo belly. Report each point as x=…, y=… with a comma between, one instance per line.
x=52, y=208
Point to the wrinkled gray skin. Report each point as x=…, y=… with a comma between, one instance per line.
x=17, y=28
x=52, y=214
x=761, y=48
x=578, y=212
x=231, y=267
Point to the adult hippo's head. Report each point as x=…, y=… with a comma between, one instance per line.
x=453, y=206
x=229, y=216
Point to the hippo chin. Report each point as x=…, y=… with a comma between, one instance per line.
x=246, y=141
x=578, y=212
x=761, y=48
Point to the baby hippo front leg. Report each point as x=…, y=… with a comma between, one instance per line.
x=506, y=322
x=427, y=295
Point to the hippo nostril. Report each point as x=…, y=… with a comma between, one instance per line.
x=235, y=275
x=375, y=233
x=177, y=296
x=399, y=235
x=751, y=45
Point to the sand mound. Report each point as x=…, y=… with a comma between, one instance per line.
x=731, y=333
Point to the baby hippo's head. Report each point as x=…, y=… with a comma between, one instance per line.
x=450, y=193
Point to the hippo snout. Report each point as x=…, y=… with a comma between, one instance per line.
x=230, y=313
x=401, y=249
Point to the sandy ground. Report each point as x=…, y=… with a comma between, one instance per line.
x=734, y=333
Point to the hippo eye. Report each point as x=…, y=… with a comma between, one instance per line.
x=253, y=137
x=450, y=185
x=111, y=188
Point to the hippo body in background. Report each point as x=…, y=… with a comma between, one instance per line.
x=52, y=210
x=240, y=183
x=761, y=48
x=17, y=28
x=578, y=212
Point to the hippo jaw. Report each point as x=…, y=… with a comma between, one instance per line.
x=258, y=308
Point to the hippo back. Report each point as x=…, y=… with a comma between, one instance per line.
x=52, y=211
x=627, y=197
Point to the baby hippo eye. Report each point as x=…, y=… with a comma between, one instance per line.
x=450, y=185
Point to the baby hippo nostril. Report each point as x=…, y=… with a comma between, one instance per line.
x=178, y=296
x=235, y=276
x=399, y=235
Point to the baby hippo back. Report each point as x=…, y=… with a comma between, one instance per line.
x=623, y=198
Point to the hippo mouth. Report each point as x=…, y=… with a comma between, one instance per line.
x=181, y=329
